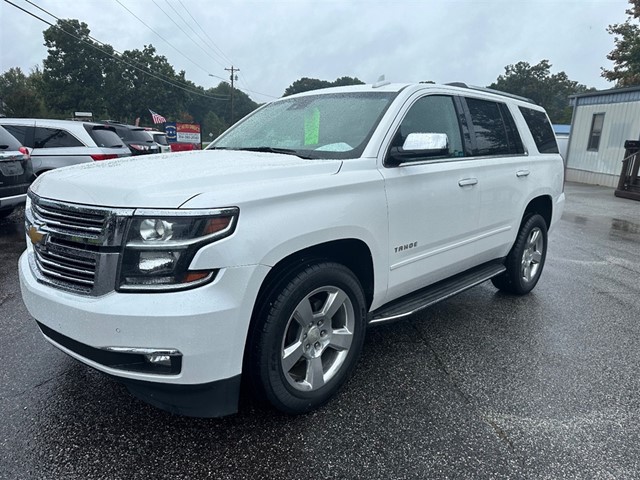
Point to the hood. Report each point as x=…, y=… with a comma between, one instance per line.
x=169, y=180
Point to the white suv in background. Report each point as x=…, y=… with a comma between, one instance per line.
x=161, y=139
x=60, y=143
x=266, y=256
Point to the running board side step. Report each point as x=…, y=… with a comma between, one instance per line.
x=425, y=297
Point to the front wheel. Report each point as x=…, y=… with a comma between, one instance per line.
x=526, y=258
x=309, y=337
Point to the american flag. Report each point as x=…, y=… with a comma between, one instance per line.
x=157, y=118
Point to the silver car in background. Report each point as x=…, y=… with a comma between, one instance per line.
x=60, y=143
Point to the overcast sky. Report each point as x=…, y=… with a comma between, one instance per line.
x=274, y=43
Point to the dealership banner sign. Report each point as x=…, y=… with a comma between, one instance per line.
x=178, y=132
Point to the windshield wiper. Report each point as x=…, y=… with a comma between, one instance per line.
x=286, y=151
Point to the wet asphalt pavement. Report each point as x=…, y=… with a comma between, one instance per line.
x=483, y=385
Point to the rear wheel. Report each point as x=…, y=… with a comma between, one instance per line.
x=309, y=338
x=526, y=258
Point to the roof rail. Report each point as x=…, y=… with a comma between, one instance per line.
x=491, y=90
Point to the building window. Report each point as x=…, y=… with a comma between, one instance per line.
x=596, y=132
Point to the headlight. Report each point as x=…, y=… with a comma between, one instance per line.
x=161, y=244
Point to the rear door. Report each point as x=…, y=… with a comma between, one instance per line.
x=502, y=173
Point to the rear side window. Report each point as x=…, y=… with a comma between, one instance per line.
x=8, y=141
x=541, y=130
x=19, y=132
x=54, y=138
x=493, y=129
x=133, y=134
x=104, y=137
x=160, y=138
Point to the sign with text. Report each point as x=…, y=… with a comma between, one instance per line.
x=188, y=133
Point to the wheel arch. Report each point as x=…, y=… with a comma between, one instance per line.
x=542, y=205
x=353, y=253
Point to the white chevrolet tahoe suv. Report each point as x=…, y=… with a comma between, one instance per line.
x=268, y=255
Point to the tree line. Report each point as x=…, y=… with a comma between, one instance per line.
x=82, y=74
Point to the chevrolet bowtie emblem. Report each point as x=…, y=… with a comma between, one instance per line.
x=35, y=235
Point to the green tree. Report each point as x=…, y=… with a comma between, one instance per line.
x=131, y=92
x=626, y=54
x=74, y=70
x=306, y=84
x=536, y=82
x=211, y=127
x=20, y=95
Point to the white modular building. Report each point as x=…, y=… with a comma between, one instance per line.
x=602, y=122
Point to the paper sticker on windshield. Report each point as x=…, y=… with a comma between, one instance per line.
x=312, y=126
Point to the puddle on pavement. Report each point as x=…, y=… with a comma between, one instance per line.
x=577, y=219
x=624, y=226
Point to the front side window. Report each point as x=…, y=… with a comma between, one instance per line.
x=432, y=114
x=596, y=132
x=53, y=137
x=336, y=125
x=541, y=130
x=493, y=129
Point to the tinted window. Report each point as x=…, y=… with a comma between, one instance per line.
x=19, y=132
x=104, y=137
x=489, y=131
x=541, y=130
x=133, y=134
x=432, y=114
x=8, y=141
x=53, y=137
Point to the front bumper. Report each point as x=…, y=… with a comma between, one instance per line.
x=207, y=325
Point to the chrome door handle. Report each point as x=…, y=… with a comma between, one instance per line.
x=522, y=173
x=467, y=181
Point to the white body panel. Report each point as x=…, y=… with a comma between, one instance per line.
x=288, y=204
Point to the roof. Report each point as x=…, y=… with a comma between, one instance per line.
x=612, y=95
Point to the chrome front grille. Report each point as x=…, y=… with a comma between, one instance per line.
x=74, y=266
x=73, y=245
x=69, y=221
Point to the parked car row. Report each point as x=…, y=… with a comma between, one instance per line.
x=30, y=147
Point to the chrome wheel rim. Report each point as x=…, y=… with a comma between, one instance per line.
x=317, y=338
x=532, y=255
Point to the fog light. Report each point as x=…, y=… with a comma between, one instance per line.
x=158, y=359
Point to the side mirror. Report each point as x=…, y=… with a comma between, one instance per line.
x=418, y=146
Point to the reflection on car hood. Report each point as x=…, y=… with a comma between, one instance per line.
x=169, y=180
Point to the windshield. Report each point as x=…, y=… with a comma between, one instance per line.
x=334, y=125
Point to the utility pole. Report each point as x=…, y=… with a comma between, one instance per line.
x=233, y=77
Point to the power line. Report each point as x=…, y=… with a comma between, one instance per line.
x=161, y=37
x=120, y=59
x=191, y=28
x=205, y=32
x=186, y=34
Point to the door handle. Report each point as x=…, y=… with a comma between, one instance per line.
x=522, y=173
x=467, y=181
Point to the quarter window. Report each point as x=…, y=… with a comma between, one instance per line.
x=53, y=137
x=541, y=130
x=493, y=129
x=596, y=132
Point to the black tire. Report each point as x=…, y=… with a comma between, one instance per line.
x=291, y=337
x=526, y=258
